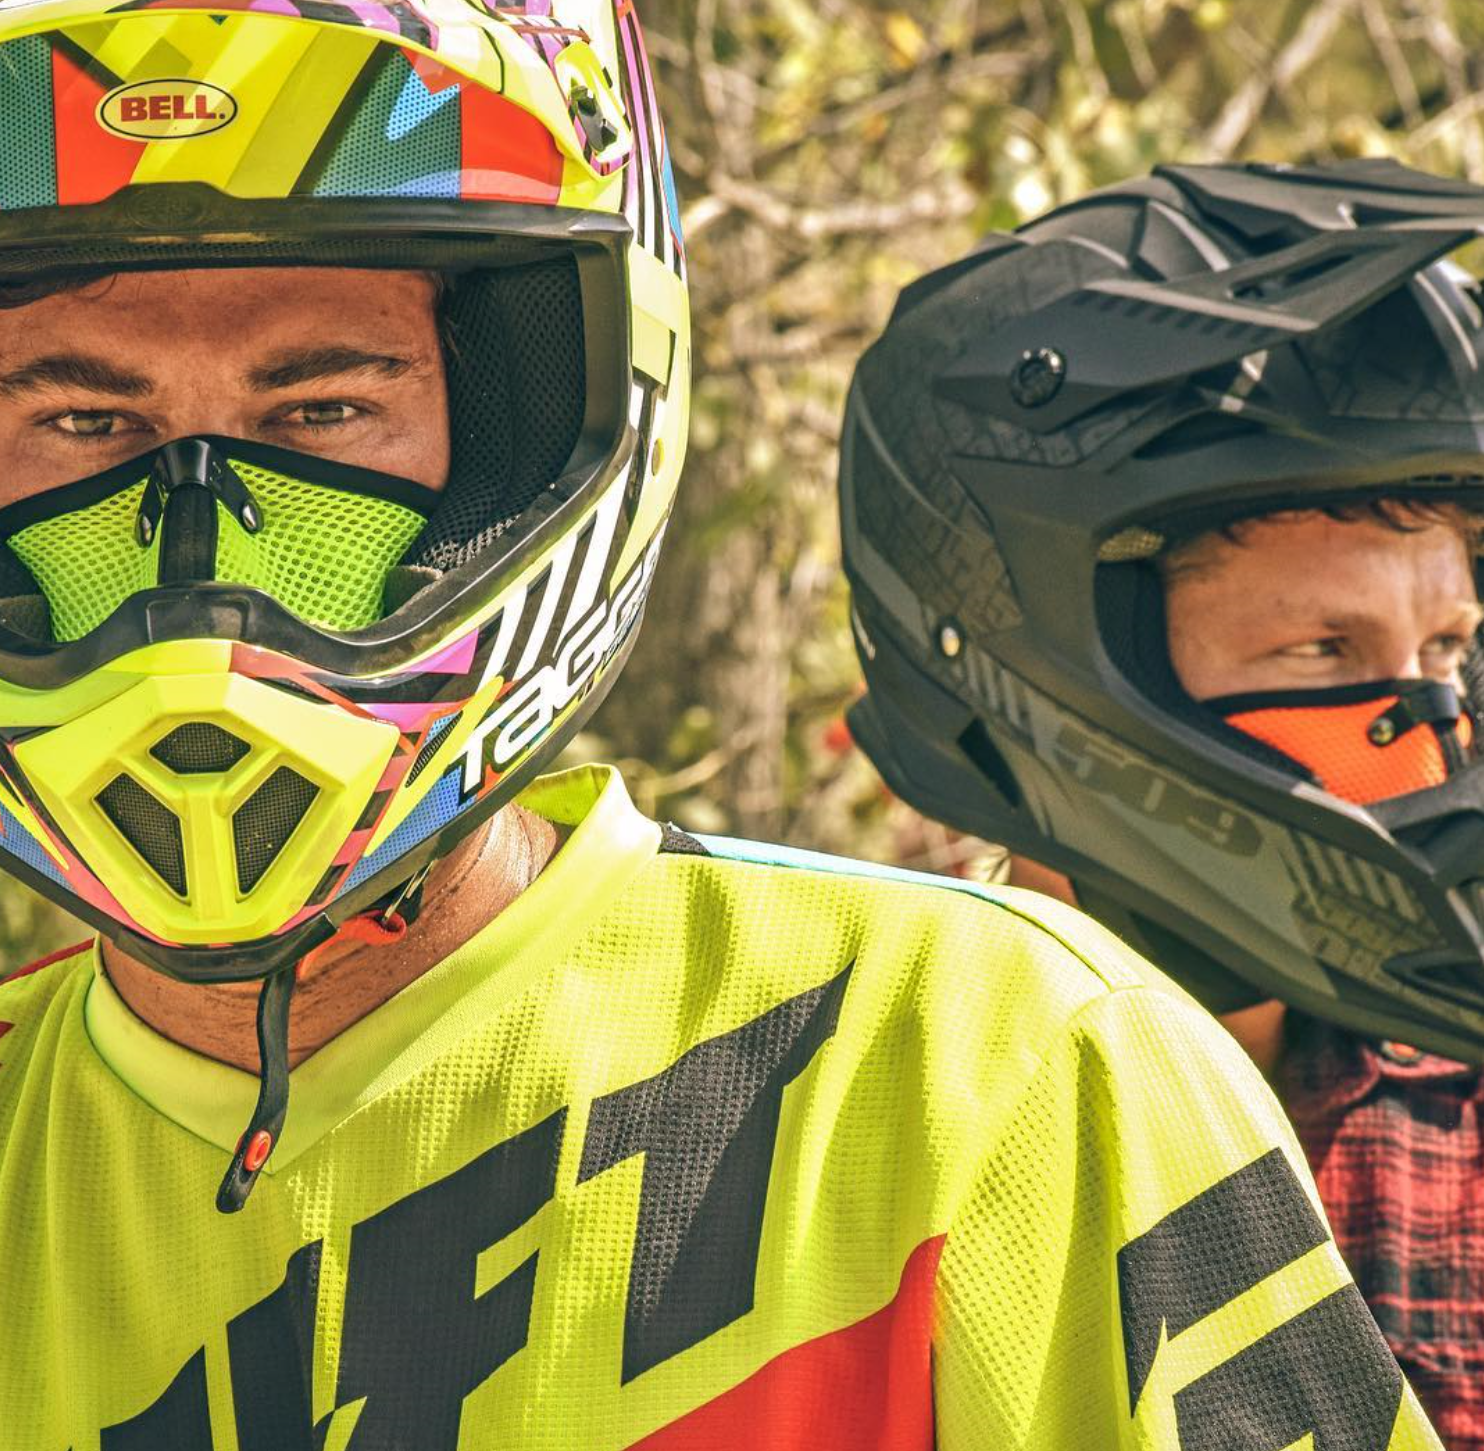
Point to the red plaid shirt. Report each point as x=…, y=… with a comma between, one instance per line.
x=1396, y=1141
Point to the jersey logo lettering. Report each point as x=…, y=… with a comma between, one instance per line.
x=706, y=1127
x=1272, y=1393
x=1204, y=1255
x=416, y=1341
x=180, y=1419
x=271, y=1347
x=412, y=1273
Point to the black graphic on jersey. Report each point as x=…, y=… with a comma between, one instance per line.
x=1327, y=1371
x=1209, y=1251
x=706, y=1127
x=417, y=1339
x=271, y=1347
x=180, y=1419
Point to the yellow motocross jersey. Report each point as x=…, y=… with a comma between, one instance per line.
x=687, y=1150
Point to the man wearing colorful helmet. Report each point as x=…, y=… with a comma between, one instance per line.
x=343, y=379
x=1161, y=518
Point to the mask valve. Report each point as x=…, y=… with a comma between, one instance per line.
x=1426, y=703
x=188, y=480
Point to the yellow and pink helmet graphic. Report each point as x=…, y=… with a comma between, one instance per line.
x=534, y=103
x=220, y=769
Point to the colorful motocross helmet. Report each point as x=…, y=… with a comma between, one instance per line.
x=1038, y=423
x=247, y=696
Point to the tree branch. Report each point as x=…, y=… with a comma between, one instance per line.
x=1243, y=111
x=1389, y=47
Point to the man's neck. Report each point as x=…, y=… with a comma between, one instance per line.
x=347, y=980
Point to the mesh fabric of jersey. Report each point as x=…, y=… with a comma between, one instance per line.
x=682, y=1151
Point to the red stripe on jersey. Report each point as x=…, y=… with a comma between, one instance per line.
x=506, y=154
x=47, y=961
x=867, y=1387
x=92, y=163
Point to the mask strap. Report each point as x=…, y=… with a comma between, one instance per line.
x=1429, y=702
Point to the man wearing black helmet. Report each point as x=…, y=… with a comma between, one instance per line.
x=1161, y=523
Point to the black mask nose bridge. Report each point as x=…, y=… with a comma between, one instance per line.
x=189, y=478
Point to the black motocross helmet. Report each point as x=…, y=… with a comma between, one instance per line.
x=1037, y=423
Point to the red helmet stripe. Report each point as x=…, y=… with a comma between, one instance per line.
x=506, y=153
x=92, y=163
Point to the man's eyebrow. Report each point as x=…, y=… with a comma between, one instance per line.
x=1339, y=621
x=295, y=366
x=74, y=370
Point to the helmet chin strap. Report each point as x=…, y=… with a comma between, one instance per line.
x=386, y=922
x=266, y=1124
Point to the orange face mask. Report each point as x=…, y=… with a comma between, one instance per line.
x=1363, y=743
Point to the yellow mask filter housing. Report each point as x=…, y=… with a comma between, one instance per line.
x=205, y=801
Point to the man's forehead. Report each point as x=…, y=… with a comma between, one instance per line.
x=1307, y=568
x=1329, y=540
x=270, y=327
x=141, y=297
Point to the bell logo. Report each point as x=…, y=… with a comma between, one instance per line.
x=173, y=110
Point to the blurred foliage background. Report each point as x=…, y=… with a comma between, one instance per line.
x=828, y=151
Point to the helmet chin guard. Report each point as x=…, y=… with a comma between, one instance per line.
x=1162, y=358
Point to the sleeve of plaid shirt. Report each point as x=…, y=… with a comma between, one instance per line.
x=1147, y=1235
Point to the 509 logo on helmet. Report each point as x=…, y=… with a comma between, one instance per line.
x=166, y=110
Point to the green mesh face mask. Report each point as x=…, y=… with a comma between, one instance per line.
x=320, y=538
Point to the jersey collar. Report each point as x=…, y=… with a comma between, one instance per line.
x=609, y=843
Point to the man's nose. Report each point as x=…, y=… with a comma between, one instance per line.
x=1406, y=661
x=1408, y=665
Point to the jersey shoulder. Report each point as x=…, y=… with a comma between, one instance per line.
x=1018, y=918
x=25, y=989
x=986, y=969
x=33, y=1000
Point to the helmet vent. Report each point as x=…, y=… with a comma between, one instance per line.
x=1205, y=430
x=199, y=748
x=150, y=827
x=262, y=826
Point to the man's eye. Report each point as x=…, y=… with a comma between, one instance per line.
x=1453, y=645
x=1323, y=649
x=88, y=425
x=324, y=415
